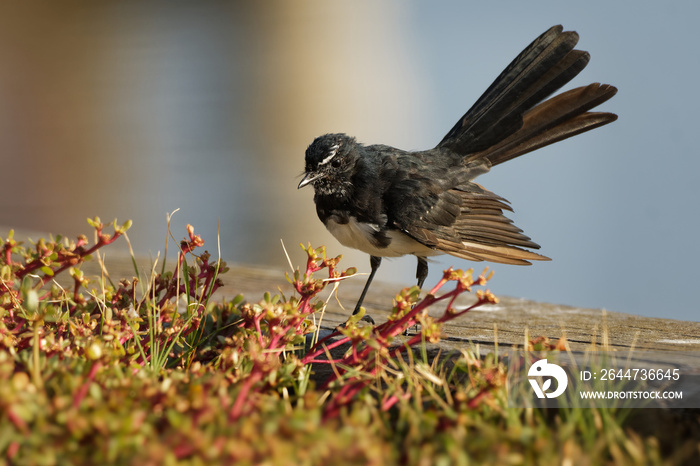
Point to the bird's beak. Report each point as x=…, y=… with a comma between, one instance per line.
x=308, y=178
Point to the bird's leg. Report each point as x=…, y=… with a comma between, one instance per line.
x=374, y=262
x=421, y=275
x=422, y=270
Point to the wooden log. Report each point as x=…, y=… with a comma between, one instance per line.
x=507, y=323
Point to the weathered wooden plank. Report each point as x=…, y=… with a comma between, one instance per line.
x=508, y=322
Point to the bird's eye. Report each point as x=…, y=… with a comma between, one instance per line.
x=336, y=162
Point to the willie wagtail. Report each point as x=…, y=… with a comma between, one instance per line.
x=388, y=202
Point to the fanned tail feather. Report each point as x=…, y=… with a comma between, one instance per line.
x=506, y=121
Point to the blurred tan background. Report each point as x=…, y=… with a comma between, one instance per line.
x=133, y=110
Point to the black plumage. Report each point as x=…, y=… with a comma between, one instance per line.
x=389, y=202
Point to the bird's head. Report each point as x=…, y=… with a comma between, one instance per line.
x=330, y=161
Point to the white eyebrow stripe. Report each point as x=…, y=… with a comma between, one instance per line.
x=334, y=150
x=327, y=159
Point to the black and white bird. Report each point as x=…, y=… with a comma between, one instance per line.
x=389, y=202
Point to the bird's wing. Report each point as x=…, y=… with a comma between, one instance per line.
x=466, y=221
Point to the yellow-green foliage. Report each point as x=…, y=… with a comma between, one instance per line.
x=124, y=373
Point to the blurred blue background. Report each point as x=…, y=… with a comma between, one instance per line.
x=133, y=110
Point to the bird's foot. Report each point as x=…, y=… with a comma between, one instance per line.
x=413, y=329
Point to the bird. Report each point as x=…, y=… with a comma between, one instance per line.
x=389, y=202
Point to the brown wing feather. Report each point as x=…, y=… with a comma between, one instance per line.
x=480, y=231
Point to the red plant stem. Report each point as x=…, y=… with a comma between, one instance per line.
x=183, y=450
x=474, y=402
x=348, y=391
x=388, y=403
x=324, y=361
x=392, y=400
x=180, y=258
x=7, y=288
x=17, y=421
x=12, y=450
x=274, y=341
x=8, y=254
x=446, y=317
x=389, y=329
x=82, y=391
x=79, y=252
x=237, y=408
x=207, y=282
x=437, y=287
x=454, y=315
x=322, y=348
x=305, y=305
x=258, y=329
x=72, y=261
x=452, y=301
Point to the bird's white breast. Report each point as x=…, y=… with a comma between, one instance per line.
x=358, y=235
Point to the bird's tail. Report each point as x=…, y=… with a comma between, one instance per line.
x=508, y=120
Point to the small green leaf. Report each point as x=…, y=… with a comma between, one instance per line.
x=237, y=300
x=31, y=301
